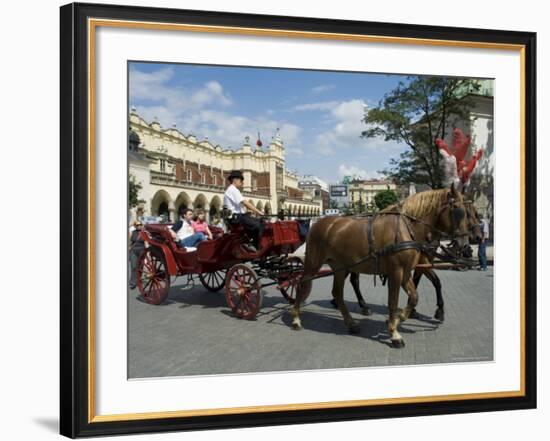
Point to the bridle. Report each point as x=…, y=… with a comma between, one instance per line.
x=456, y=214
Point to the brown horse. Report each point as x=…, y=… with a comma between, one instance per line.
x=419, y=231
x=474, y=237
x=431, y=275
x=346, y=245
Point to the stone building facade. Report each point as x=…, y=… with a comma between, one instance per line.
x=178, y=171
x=362, y=191
x=317, y=188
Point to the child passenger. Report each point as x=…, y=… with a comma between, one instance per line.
x=200, y=225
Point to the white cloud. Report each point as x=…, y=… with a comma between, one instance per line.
x=201, y=111
x=322, y=88
x=345, y=121
x=356, y=172
x=290, y=133
x=346, y=127
x=211, y=93
x=229, y=130
x=174, y=100
x=294, y=151
x=150, y=86
x=323, y=105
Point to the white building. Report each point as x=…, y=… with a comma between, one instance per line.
x=179, y=171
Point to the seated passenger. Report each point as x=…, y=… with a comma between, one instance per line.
x=200, y=225
x=183, y=233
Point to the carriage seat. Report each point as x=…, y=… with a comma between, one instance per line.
x=160, y=232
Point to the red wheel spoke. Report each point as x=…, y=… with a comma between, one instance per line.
x=154, y=280
x=243, y=292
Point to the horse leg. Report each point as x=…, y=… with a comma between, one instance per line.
x=416, y=280
x=338, y=294
x=303, y=289
x=313, y=263
x=333, y=301
x=440, y=311
x=410, y=289
x=394, y=286
x=354, y=279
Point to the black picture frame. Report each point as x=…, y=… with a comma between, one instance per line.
x=76, y=417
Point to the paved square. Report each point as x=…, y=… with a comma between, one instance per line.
x=195, y=333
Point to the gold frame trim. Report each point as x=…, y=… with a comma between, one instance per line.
x=92, y=25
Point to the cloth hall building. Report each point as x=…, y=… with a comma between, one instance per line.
x=178, y=171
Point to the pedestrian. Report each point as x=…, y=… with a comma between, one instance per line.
x=136, y=247
x=183, y=233
x=482, y=249
x=233, y=200
x=140, y=212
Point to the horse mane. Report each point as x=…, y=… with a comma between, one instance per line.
x=424, y=203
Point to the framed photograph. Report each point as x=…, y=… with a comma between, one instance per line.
x=276, y=220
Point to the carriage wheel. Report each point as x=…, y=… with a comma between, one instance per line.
x=243, y=291
x=213, y=281
x=153, y=278
x=295, y=267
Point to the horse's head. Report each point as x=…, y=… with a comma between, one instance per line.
x=453, y=218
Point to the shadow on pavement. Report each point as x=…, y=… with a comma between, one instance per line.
x=371, y=328
x=197, y=295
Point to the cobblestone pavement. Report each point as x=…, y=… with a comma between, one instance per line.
x=195, y=333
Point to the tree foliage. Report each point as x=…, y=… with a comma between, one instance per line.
x=134, y=188
x=416, y=113
x=384, y=198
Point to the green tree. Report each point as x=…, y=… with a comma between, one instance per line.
x=134, y=188
x=416, y=113
x=360, y=206
x=384, y=198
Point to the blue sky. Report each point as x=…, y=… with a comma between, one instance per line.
x=318, y=113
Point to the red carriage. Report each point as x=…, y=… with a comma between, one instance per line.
x=224, y=262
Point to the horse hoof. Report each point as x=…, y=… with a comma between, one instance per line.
x=440, y=315
x=366, y=311
x=414, y=314
x=296, y=327
x=398, y=344
x=354, y=328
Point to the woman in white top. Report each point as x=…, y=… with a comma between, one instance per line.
x=233, y=200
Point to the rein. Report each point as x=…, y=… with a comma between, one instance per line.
x=427, y=249
x=441, y=233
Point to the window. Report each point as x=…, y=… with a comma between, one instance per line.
x=203, y=178
x=254, y=184
x=189, y=176
x=162, y=165
x=214, y=180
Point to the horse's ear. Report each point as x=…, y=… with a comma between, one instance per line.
x=453, y=191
